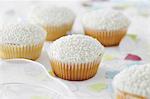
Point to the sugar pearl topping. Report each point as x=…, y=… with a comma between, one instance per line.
x=134, y=80
x=76, y=49
x=21, y=34
x=105, y=20
x=51, y=15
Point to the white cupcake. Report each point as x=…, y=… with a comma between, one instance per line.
x=57, y=21
x=21, y=40
x=133, y=83
x=75, y=57
x=108, y=26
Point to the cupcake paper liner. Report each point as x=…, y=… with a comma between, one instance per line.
x=107, y=38
x=74, y=71
x=55, y=32
x=8, y=51
x=125, y=95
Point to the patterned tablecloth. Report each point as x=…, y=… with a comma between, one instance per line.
x=134, y=49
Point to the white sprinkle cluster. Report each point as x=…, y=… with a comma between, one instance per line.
x=105, y=20
x=21, y=34
x=52, y=15
x=76, y=49
x=134, y=80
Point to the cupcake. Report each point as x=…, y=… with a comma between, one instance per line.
x=57, y=21
x=108, y=26
x=75, y=57
x=21, y=40
x=133, y=83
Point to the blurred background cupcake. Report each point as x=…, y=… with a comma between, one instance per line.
x=133, y=83
x=21, y=40
x=75, y=57
x=108, y=26
x=57, y=21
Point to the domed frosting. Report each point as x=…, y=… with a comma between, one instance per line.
x=52, y=15
x=105, y=20
x=76, y=49
x=134, y=80
x=21, y=34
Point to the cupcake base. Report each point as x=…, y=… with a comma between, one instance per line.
x=74, y=72
x=107, y=38
x=125, y=95
x=9, y=51
x=55, y=32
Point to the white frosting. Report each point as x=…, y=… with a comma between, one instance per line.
x=105, y=20
x=21, y=34
x=52, y=15
x=134, y=80
x=76, y=49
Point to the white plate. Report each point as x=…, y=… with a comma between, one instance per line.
x=26, y=79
